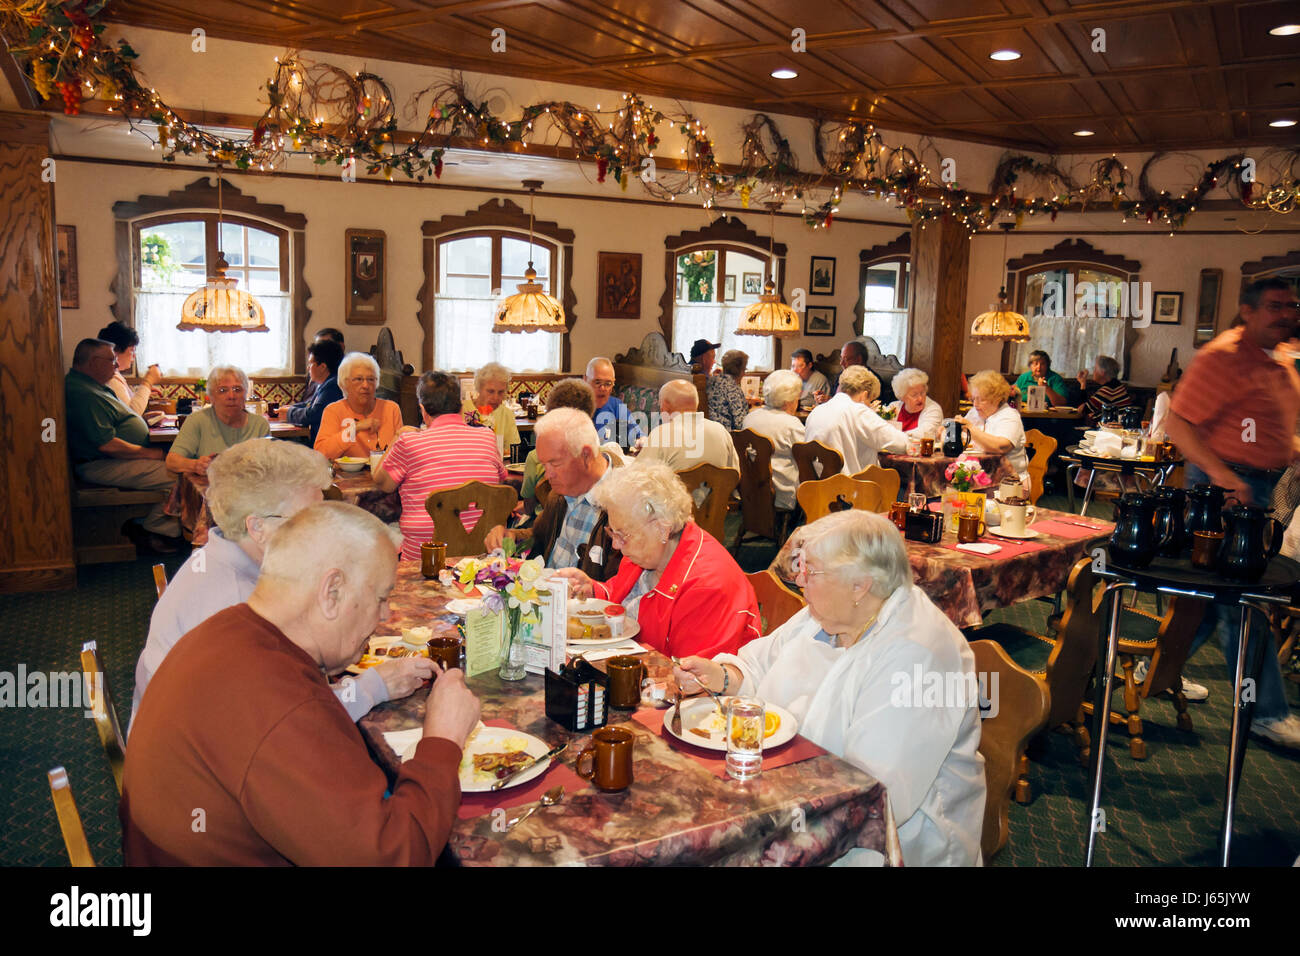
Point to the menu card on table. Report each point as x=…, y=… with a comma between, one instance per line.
x=483, y=631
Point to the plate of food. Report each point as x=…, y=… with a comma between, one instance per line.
x=703, y=726
x=587, y=625
x=494, y=752
x=351, y=464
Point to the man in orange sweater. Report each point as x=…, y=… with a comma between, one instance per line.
x=242, y=756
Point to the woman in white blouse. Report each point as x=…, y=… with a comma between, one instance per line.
x=915, y=412
x=847, y=424
x=994, y=425
x=124, y=339
x=776, y=421
x=852, y=666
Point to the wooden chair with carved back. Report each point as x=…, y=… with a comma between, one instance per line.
x=445, y=508
x=838, y=493
x=776, y=602
x=888, y=479
x=710, y=488
x=1019, y=707
x=159, y=579
x=1168, y=651
x=816, y=461
x=1044, y=446
x=758, y=512
x=333, y=493
x=101, y=708
x=65, y=808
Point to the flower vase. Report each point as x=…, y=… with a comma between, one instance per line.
x=512, y=648
x=954, y=502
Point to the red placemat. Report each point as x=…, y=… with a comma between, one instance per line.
x=793, y=751
x=559, y=772
x=1064, y=530
x=1011, y=548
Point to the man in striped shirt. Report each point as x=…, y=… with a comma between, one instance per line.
x=445, y=453
x=1109, y=391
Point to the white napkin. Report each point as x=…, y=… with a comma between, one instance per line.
x=627, y=647
x=403, y=740
x=980, y=547
x=1107, y=445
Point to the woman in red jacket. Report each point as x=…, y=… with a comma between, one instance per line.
x=676, y=580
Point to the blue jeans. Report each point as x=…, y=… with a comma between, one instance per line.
x=1270, y=694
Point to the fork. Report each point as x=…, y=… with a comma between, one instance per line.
x=717, y=700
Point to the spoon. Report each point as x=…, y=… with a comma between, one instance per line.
x=549, y=799
x=704, y=687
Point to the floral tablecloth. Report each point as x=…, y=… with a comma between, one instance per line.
x=677, y=812
x=929, y=471
x=965, y=585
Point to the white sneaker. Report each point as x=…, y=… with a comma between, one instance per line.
x=1196, y=693
x=1284, y=731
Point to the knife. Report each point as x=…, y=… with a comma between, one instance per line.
x=554, y=752
x=676, y=724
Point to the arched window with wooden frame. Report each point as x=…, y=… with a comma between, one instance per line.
x=1080, y=303
x=710, y=276
x=469, y=261
x=884, y=292
x=166, y=246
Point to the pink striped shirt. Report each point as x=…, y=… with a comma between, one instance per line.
x=444, y=455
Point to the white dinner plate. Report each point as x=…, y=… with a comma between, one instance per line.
x=1023, y=536
x=630, y=627
x=494, y=740
x=700, y=710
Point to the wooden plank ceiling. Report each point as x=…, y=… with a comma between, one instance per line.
x=1183, y=74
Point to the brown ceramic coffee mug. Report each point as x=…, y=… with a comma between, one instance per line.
x=433, y=558
x=625, y=675
x=610, y=751
x=927, y=447
x=970, y=527
x=898, y=514
x=445, y=651
x=1205, y=548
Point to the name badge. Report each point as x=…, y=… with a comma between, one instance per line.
x=596, y=554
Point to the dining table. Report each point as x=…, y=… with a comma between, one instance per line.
x=1153, y=473
x=807, y=807
x=929, y=471
x=165, y=433
x=965, y=584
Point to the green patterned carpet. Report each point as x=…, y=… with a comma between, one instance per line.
x=1165, y=810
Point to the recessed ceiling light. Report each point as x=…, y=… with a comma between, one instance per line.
x=1286, y=30
x=1005, y=55
x=1083, y=132
x=785, y=73
x=1282, y=123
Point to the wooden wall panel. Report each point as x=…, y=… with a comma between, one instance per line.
x=938, y=328
x=35, y=500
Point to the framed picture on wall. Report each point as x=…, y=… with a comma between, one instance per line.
x=821, y=276
x=367, y=286
x=729, y=289
x=66, y=250
x=819, y=320
x=1207, y=306
x=618, y=277
x=1167, y=308
x=751, y=283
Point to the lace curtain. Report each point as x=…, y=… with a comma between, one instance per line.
x=889, y=328
x=463, y=339
x=1072, y=342
x=193, y=353
x=716, y=322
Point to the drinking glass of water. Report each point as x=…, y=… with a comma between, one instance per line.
x=745, y=720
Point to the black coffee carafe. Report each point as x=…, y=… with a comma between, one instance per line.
x=1171, y=503
x=1134, y=542
x=1244, y=556
x=1204, y=509
x=956, y=437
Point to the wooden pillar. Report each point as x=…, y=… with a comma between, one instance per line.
x=35, y=502
x=939, y=324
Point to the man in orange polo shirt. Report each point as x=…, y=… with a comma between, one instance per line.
x=1234, y=418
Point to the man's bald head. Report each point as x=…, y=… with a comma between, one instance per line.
x=679, y=395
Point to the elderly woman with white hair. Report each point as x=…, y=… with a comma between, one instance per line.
x=994, y=425
x=776, y=421
x=491, y=384
x=676, y=580
x=254, y=487
x=847, y=424
x=215, y=427
x=360, y=422
x=915, y=413
x=852, y=667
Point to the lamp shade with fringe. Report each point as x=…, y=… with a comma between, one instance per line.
x=219, y=305
x=1000, y=323
x=530, y=309
x=769, y=316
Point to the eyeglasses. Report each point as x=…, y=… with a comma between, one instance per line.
x=228, y=389
x=799, y=565
x=363, y=379
x=617, y=536
x=601, y=383
x=1282, y=306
